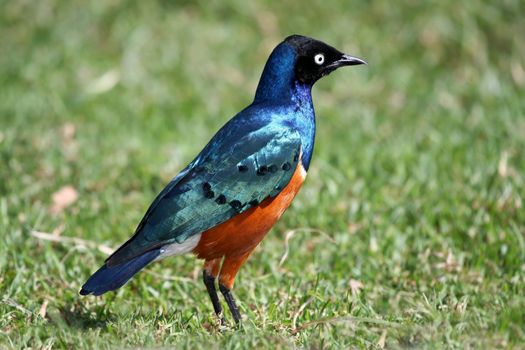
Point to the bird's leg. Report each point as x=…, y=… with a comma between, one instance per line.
x=209, y=274
x=230, y=300
x=229, y=269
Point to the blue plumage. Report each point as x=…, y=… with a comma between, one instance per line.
x=272, y=131
x=251, y=158
x=111, y=278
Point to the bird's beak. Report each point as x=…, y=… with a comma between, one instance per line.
x=347, y=60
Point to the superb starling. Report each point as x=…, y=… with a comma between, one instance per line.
x=224, y=202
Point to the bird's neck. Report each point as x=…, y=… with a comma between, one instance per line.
x=279, y=85
x=278, y=81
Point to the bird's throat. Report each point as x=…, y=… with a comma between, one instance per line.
x=301, y=95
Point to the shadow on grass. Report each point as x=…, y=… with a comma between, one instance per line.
x=79, y=317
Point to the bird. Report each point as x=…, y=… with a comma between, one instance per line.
x=225, y=201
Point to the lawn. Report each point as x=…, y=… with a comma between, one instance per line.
x=408, y=233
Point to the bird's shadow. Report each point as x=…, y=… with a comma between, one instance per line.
x=79, y=317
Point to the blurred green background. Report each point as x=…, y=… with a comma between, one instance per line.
x=409, y=231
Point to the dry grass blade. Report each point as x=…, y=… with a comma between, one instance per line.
x=72, y=240
x=43, y=309
x=382, y=340
x=300, y=311
x=16, y=305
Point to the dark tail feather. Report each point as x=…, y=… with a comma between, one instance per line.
x=114, y=277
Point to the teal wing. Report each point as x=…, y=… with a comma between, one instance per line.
x=230, y=176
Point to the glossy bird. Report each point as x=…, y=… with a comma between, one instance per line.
x=224, y=202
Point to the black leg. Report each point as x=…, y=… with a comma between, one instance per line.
x=209, y=282
x=231, y=303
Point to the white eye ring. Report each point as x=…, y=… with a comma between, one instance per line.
x=319, y=59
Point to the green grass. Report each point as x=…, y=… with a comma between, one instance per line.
x=415, y=191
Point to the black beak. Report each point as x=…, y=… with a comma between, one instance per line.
x=347, y=60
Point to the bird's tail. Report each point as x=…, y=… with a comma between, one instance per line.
x=114, y=277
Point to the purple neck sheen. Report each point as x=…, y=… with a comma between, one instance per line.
x=301, y=93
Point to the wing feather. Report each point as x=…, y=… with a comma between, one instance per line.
x=225, y=181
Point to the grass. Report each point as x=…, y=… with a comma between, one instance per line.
x=409, y=232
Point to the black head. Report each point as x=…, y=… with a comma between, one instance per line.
x=315, y=59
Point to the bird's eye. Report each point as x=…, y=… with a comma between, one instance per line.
x=319, y=59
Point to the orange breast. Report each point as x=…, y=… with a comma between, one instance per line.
x=244, y=232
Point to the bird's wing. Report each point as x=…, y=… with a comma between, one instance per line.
x=224, y=181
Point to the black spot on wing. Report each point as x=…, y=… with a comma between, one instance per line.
x=263, y=169
x=208, y=193
x=242, y=168
x=235, y=204
x=221, y=199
